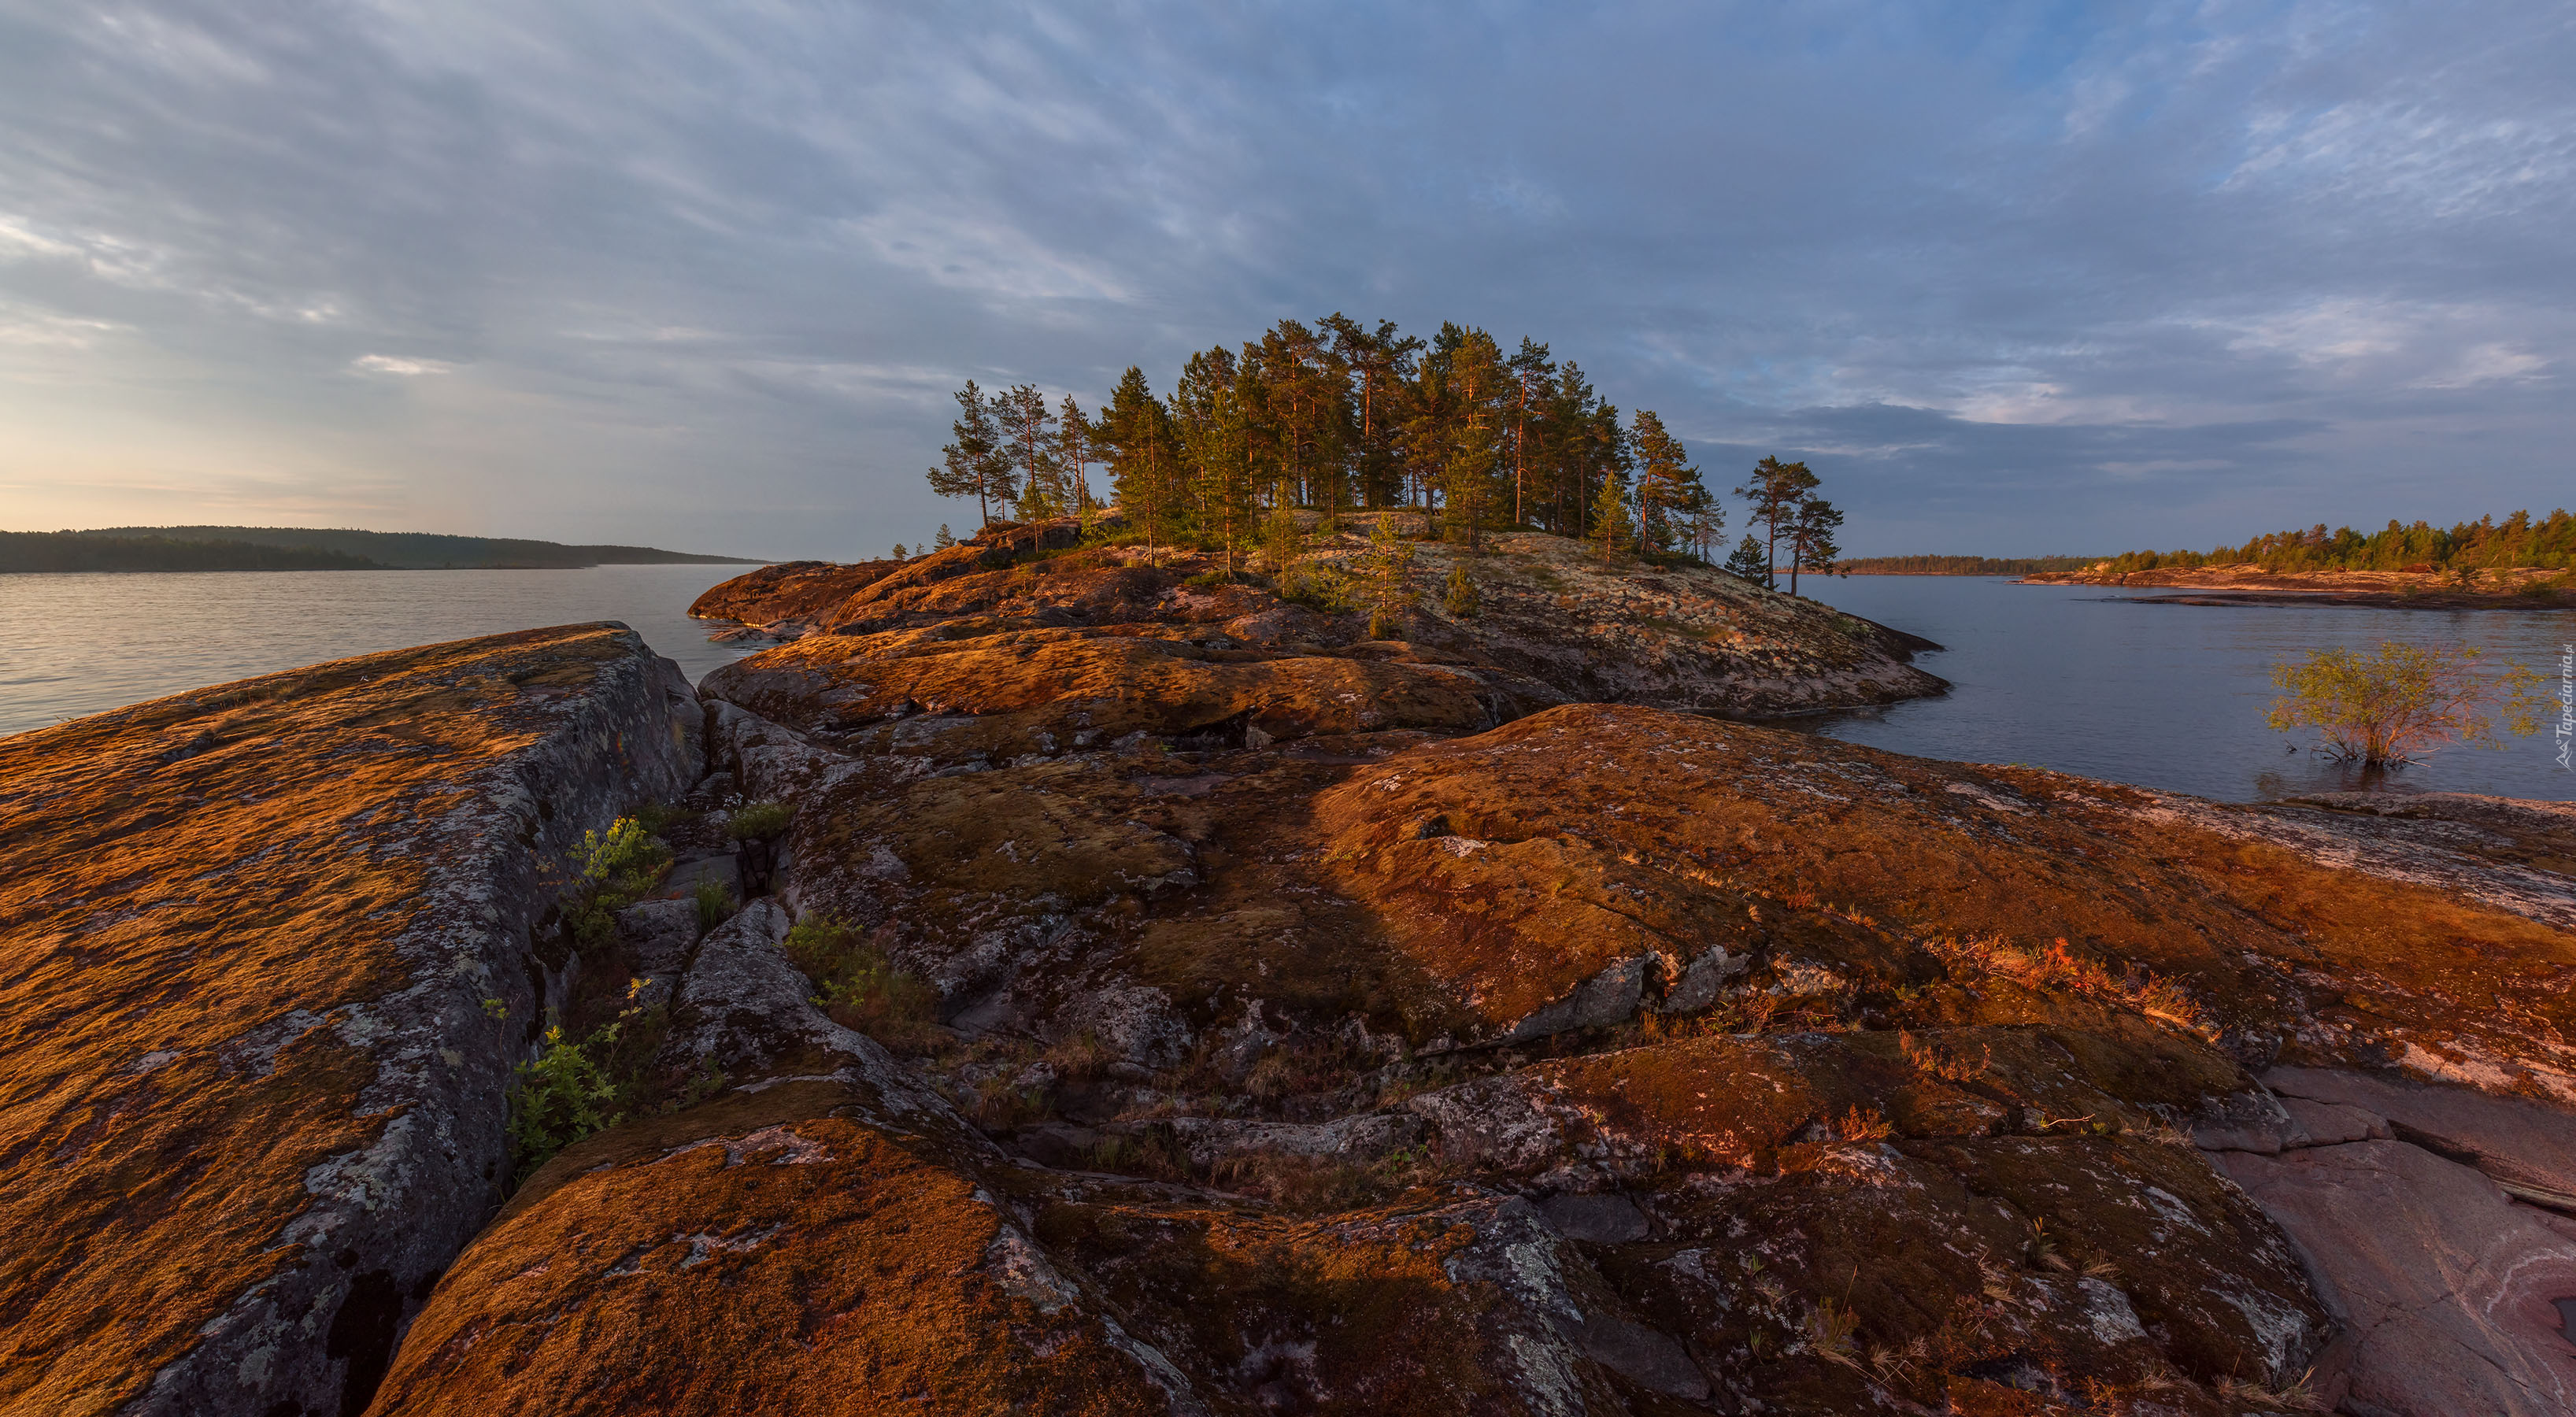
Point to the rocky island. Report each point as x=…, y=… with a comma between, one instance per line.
x=1073, y=979
x=2510, y=588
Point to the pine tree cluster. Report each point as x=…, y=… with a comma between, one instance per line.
x=1342, y=417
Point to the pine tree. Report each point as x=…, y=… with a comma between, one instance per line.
x=1305, y=392
x=1749, y=563
x=1533, y=376
x=945, y=539
x=1282, y=540
x=1479, y=384
x=900, y=553
x=1074, y=453
x=1811, y=539
x=976, y=465
x=1028, y=436
x=1387, y=574
x=1380, y=365
x=1144, y=463
x=1703, y=523
x=1208, y=416
x=1775, y=490
x=1667, y=485
x=1610, y=514
x=1461, y=598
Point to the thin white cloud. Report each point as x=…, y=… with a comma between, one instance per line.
x=399, y=367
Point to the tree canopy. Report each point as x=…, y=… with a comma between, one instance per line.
x=1341, y=416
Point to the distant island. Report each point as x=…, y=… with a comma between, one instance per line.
x=2522, y=561
x=277, y=548
x=2520, y=542
x=1959, y=565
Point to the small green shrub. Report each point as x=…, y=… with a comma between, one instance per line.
x=759, y=821
x=1460, y=597
x=1321, y=587
x=575, y=1087
x=861, y=989
x=715, y=904
x=1216, y=580
x=616, y=871
x=627, y=862
x=1282, y=541
x=555, y=1101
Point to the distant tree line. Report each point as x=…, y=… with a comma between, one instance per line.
x=1343, y=417
x=1961, y=565
x=23, y=551
x=259, y=548
x=2519, y=540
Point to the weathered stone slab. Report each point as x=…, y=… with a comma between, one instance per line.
x=270, y=952
x=2446, y=1287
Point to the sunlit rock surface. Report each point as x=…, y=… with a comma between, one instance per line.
x=271, y=951
x=1302, y=1023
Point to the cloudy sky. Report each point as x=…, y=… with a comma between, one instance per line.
x=2014, y=278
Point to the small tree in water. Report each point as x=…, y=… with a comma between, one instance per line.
x=2402, y=702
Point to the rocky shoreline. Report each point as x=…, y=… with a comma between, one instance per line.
x=1069, y=988
x=2509, y=589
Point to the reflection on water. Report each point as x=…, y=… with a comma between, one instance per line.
x=78, y=644
x=2069, y=677
x=2086, y=680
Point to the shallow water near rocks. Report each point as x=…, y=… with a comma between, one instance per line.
x=2076, y=678
x=78, y=644
x=2085, y=680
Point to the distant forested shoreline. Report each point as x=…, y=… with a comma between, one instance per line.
x=2520, y=541
x=1960, y=565
x=257, y=548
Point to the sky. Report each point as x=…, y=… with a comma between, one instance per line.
x=2013, y=278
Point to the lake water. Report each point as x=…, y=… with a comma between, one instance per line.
x=2088, y=680
x=2075, y=678
x=77, y=644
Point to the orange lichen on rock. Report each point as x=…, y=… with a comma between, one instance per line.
x=247, y=1084
x=767, y=1253
x=1269, y=1018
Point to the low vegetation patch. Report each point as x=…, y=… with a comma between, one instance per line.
x=862, y=989
x=575, y=1087
x=759, y=821
x=1322, y=587
x=2059, y=967
x=614, y=872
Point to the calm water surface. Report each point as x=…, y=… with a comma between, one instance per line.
x=2088, y=680
x=2075, y=678
x=77, y=644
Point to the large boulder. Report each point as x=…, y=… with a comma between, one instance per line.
x=272, y=950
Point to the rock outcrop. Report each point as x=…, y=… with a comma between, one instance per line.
x=1554, y=624
x=272, y=949
x=786, y=589
x=1158, y=998
x=1840, y=1081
